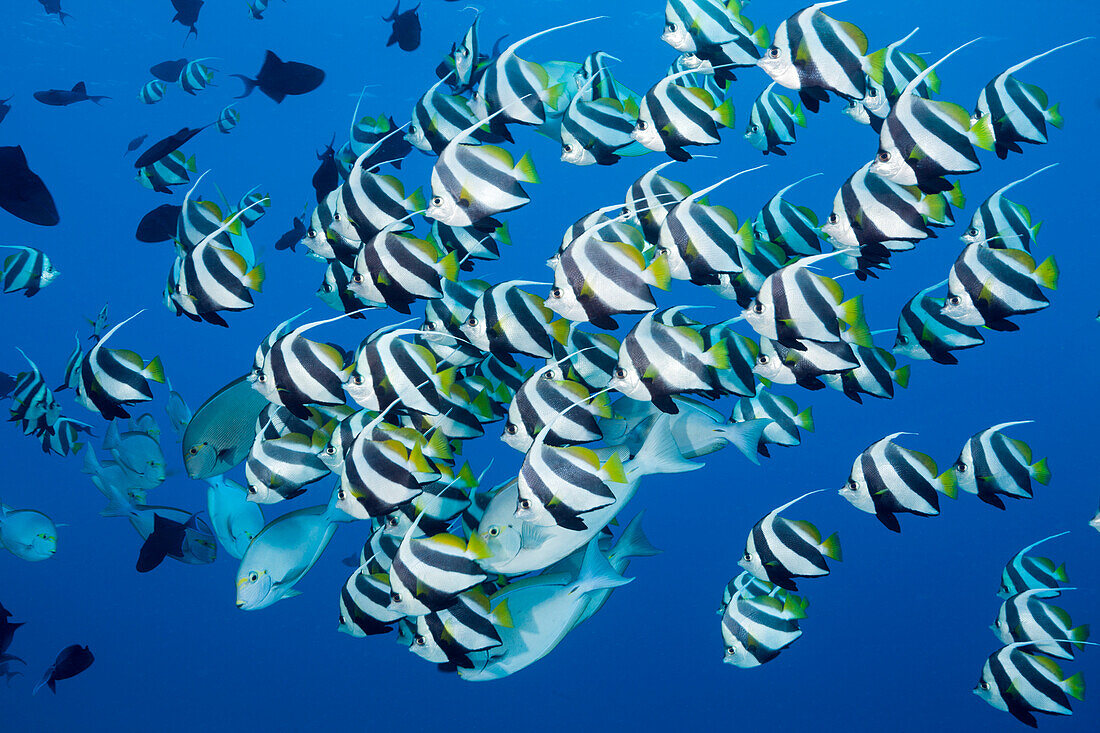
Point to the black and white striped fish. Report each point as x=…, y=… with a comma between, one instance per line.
x=558, y=485
x=816, y=54
x=473, y=183
x=741, y=353
x=335, y=291
x=280, y=468
x=548, y=401
x=463, y=66
x=650, y=197
x=1024, y=572
x=65, y=438
x=797, y=304
x=924, y=140
x=389, y=368
x=228, y=118
x=988, y=286
x=779, y=550
x=992, y=465
x=110, y=379
x=196, y=76
x=1003, y=224
x=174, y=169
x=1022, y=684
x=1017, y=111
x=446, y=315
x=33, y=402
x=595, y=280
x=365, y=605
x=321, y=244
x=876, y=375
x=370, y=203
x=1026, y=618
x=152, y=91
x=783, y=413
x=692, y=25
x=379, y=476
x=780, y=364
x=293, y=371
x=756, y=628
x=772, y=121
x=396, y=269
x=438, y=117
x=29, y=270
x=592, y=356
x=429, y=573
x=507, y=320
x=673, y=116
x=925, y=332
x=211, y=279
x=467, y=626
x=657, y=361
x=898, y=69
x=887, y=480
x=597, y=130
x=759, y=259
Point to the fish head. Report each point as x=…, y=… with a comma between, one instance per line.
x=515, y=432
x=43, y=545
x=1095, y=522
x=415, y=136
x=750, y=561
x=645, y=131
x=676, y=32
x=777, y=62
x=329, y=291
x=1000, y=626
x=52, y=410
x=563, y=301
x=475, y=329
x=760, y=316
x=49, y=273
x=857, y=110
x=838, y=227
x=677, y=267
x=855, y=490
x=889, y=163
x=573, y=152
x=755, y=133
x=317, y=240
x=769, y=365
x=347, y=503
x=199, y=459
x=976, y=231
x=987, y=689
x=254, y=588
x=907, y=344
x=626, y=380
x=504, y=542
x=342, y=229
x=360, y=387
x=875, y=102
x=259, y=493
x=264, y=382
x=959, y=306
x=739, y=657
x=964, y=469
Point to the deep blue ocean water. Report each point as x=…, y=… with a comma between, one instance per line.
x=896, y=635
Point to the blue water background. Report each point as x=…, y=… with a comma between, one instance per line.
x=896, y=636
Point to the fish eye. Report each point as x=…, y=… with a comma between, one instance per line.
x=954, y=300
x=395, y=597
x=731, y=650
x=984, y=685
x=358, y=379
x=252, y=489
x=625, y=211
x=748, y=556
x=524, y=503
x=471, y=322
x=555, y=293
x=762, y=359
x=620, y=373
x=884, y=157
x=642, y=124
x=341, y=495
x=391, y=522
x=311, y=233
x=960, y=467
x=253, y=576
x=662, y=251
x=903, y=339
x=773, y=52
x=978, y=115
x=336, y=216
x=511, y=428
x=437, y=200
x=834, y=218
x=331, y=450
x=670, y=27
x=428, y=327
x=194, y=451
x=872, y=93
x=972, y=231
x=568, y=147
x=419, y=640
x=494, y=531
x=754, y=128
x=853, y=484
x=327, y=288
x=758, y=308
x=357, y=277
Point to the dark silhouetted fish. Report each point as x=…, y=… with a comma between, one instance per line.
x=166, y=540
x=65, y=97
x=22, y=193
x=293, y=235
x=7, y=629
x=71, y=661
x=279, y=79
x=406, y=28
x=162, y=148
x=136, y=143
x=187, y=14
x=327, y=176
x=4, y=108
x=159, y=225
x=7, y=384
x=168, y=71
x=53, y=7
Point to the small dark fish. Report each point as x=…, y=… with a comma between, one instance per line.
x=279, y=79
x=169, y=538
x=327, y=176
x=53, y=7
x=162, y=148
x=136, y=143
x=5, y=107
x=406, y=28
x=159, y=225
x=7, y=630
x=168, y=71
x=187, y=14
x=71, y=661
x=293, y=235
x=65, y=97
x=7, y=384
x=22, y=192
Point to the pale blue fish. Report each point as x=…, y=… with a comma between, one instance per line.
x=235, y=520
x=27, y=534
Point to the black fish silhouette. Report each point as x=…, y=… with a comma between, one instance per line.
x=5, y=107
x=71, y=661
x=289, y=240
x=327, y=176
x=65, y=97
x=159, y=225
x=22, y=193
x=162, y=148
x=406, y=28
x=279, y=79
x=187, y=14
x=135, y=143
x=53, y=7
x=168, y=71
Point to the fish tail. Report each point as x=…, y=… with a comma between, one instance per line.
x=762, y=37
x=596, y=572
x=948, y=483
x=658, y=273
x=981, y=132
x=1075, y=686
x=1041, y=472
x=724, y=114
x=795, y=605
x=718, y=355
x=851, y=312
x=955, y=196
x=830, y=547
x=249, y=85
x=1054, y=117
x=1079, y=635
x=416, y=201
x=659, y=454
x=1046, y=274
x=805, y=419
x=876, y=64
x=633, y=542
x=901, y=376
x=525, y=170
x=254, y=280
x=155, y=370
x=449, y=266
x=1061, y=574
x=799, y=115
x=745, y=436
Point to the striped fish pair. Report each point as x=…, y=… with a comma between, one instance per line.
x=715, y=32
x=783, y=413
x=174, y=169
x=1022, y=684
x=446, y=315
x=815, y=54
x=28, y=270
x=924, y=140
x=1003, y=224
x=390, y=369
x=779, y=549
x=992, y=465
x=988, y=286
x=805, y=366
x=396, y=269
x=506, y=320
x=887, y=480
x=429, y=573
x=898, y=69
x=597, y=130
x=451, y=635
x=926, y=332
x=365, y=605
x=876, y=375
x=591, y=357
x=1017, y=111
x=110, y=379
x=293, y=371
x=1026, y=618
x=547, y=401
x=672, y=116
x=370, y=203
x=772, y=122
x=438, y=117
x=757, y=627
x=335, y=292
x=650, y=197
x=1025, y=572
x=65, y=437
